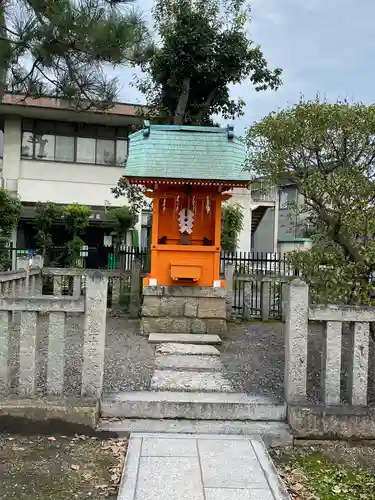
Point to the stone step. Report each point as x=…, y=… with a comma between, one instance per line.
x=181, y=362
x=191, y=405
x=184, y=338
x=166, y=380
x=272, y=433
x=187, y=349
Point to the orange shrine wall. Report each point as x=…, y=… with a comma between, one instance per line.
x=188, y=260
x=163, y=258
x=203, y=227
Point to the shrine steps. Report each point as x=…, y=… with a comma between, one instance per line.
x=190, y=393
x=193, y=405
x=272, y=433
x=184, y=338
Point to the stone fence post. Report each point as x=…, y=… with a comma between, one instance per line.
x=135, y=290
x=94, y=335
x=265, y=288
x=247, y=299
x=229, y=276
x=296, y=338
x=57, y=285
x=284, y=297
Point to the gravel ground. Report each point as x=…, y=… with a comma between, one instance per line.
x=253, y=357
x=129, y=362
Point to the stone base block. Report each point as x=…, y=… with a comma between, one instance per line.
x=178, y=309
x=41, y=413
x=182, y=325
x=331, y=422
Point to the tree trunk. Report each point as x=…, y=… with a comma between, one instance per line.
x=206, y=106
x=179, y=115
x=3, y=62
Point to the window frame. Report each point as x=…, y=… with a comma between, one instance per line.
x=116, y=137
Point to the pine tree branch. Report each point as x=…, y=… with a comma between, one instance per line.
x=14, y=33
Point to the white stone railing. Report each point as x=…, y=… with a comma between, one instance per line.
x=23, y=313
x=298, y=314
x=24, y=281
x=117, y=278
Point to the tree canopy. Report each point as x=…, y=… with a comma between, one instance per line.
x=59, y=47
x=328, y=151
x=202, y=49
x=10, y=211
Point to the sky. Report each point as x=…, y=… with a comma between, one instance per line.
x=323, y=46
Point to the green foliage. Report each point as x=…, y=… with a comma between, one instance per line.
x=125, y=219
x=328, y=152
x=327, y=479
x=232, y=225
x=76, y=219
x=10, y=211
x=203, y=48
x=134, y=195
x=59, y=47
x=46, y=214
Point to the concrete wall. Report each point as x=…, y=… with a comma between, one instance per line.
x=263, y=236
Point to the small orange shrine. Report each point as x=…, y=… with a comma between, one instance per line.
x=187, y=172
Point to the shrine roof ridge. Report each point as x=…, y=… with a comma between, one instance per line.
x=147, y=127
x=186, y=152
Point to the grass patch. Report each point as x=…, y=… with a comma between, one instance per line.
x=337, y=471
x=60, y=467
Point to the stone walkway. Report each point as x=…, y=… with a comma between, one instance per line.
x=199, y=467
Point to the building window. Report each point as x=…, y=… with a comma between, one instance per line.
x=74, y=143
x=286, y=196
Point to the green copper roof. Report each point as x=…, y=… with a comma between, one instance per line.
x=184, y=152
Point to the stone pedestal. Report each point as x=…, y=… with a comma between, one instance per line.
x=183, y=309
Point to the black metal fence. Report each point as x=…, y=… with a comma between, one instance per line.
x=252, y=266
x=98, y=257
x=256, y=265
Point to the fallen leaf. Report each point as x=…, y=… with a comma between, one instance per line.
x=74, y=467
x=51, y=438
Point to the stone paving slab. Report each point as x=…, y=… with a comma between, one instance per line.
x=187, y=349
x=184, y=338
x=192, y=467
x=165, y=380
x=182, y=362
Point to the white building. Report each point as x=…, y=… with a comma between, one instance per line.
x=52, y=153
